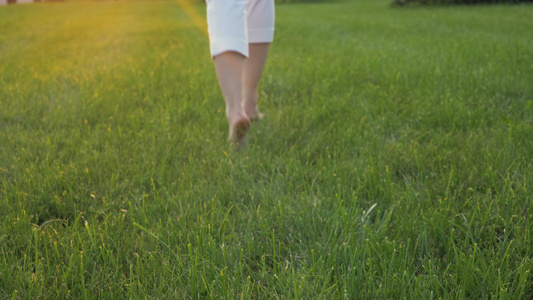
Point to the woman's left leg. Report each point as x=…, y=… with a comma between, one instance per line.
x=229, y=47
x=229, y=68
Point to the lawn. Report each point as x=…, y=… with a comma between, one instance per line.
x=395, y=160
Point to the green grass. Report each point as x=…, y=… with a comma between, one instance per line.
x=394, y=162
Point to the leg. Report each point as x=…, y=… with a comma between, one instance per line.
x=253, y=69
x=229, y=46
x=237, y=27
x=229, y=67
x=260, y=25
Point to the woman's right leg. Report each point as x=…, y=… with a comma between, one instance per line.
x=253, y=69
x=260, y=25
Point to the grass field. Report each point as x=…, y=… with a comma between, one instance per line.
x=395, y=160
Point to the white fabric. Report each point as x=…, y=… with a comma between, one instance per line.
x=233, y=24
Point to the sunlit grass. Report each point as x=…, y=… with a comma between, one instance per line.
x=394, y=160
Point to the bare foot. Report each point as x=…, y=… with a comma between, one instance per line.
x=252, y=112
x=238, y=127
